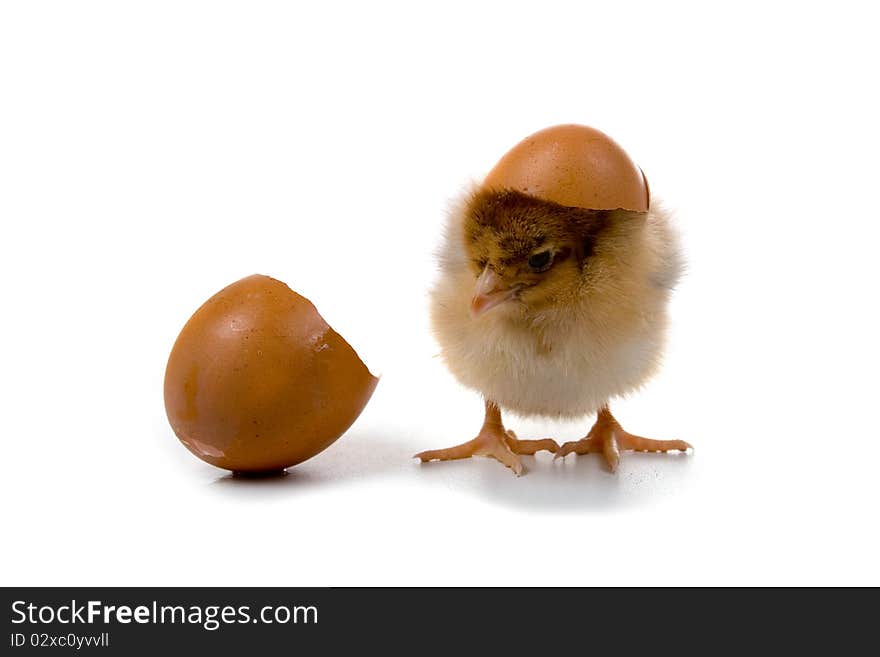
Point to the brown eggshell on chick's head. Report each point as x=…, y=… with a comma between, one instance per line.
x=257, y=381
x=572, y=165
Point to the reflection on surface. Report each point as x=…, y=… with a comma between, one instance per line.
x=571, y=484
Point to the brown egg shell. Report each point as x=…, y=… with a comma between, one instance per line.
x=573, y=165
x=257, y=381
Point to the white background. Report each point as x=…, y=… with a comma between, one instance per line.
x=152, y=153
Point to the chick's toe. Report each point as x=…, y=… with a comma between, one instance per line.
x=529, y=447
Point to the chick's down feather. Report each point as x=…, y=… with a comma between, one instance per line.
x=571, y=336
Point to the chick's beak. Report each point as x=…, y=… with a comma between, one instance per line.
x=489, y=292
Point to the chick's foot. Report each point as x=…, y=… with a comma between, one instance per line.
x=608, y=438
x=492, y=441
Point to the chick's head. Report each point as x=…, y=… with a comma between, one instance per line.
x=537, y=253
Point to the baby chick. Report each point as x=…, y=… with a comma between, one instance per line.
x=552, y=310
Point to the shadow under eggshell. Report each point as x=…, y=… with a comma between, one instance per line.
x=258, y=381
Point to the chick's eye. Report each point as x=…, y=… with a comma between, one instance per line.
x=540, y=261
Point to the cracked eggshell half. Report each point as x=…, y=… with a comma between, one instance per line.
x=575, y=166
x=257, y=381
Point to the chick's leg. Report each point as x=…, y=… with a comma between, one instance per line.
x=608, y=438
x=492, y=441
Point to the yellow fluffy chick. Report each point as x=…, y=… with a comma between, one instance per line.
x=552, y=310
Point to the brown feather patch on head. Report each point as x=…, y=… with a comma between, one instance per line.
x=550, y=253
x=508, y=226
